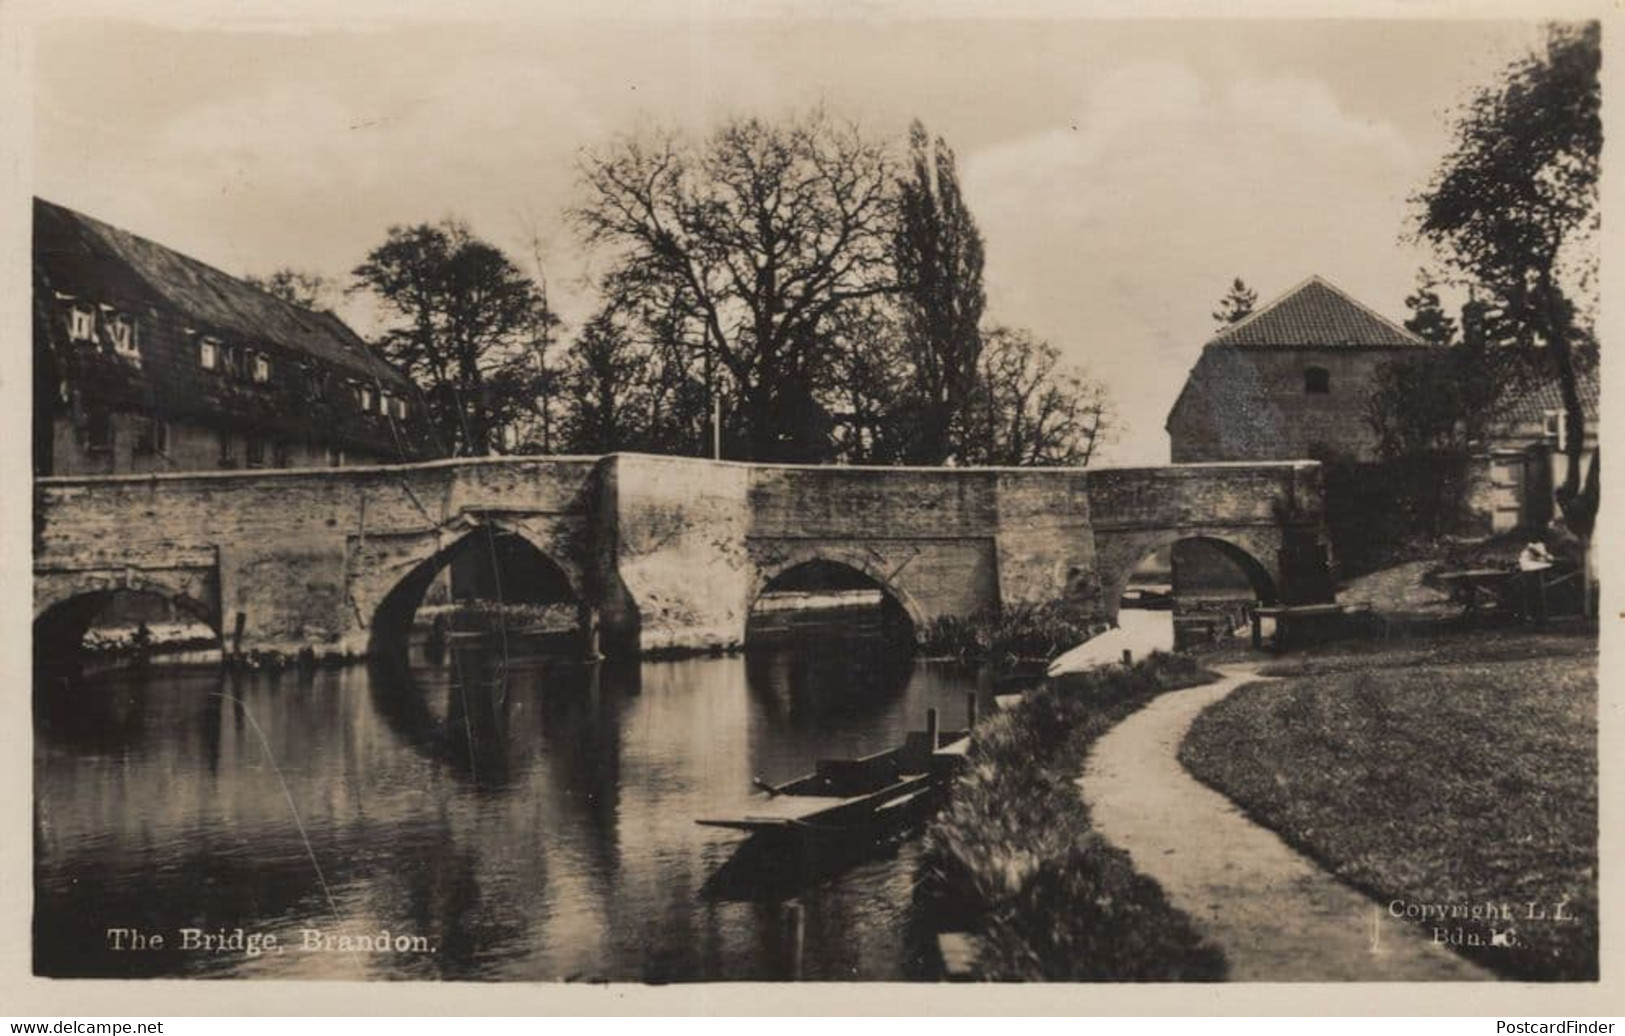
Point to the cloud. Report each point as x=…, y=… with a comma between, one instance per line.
x=1307, y=108
x=1114, y=233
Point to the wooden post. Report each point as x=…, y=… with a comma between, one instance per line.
x=1128, y=658
x=970, y=711
x=798, y=937
x=931, y=728
x=1258, y=631
x=237, y=633
x=587, y=619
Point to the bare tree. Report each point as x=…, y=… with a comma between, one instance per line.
x=748, y=243
x=300, y=287
x=1031, y=410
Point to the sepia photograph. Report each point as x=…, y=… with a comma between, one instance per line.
x=827, y=496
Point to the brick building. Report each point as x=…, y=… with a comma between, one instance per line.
x=149, y=360
x=1288, y=382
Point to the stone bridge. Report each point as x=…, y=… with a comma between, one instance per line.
x=661, y=553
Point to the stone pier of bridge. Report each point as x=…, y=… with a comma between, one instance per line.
x=663, y=553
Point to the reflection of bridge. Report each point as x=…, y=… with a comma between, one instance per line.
x=661, y=552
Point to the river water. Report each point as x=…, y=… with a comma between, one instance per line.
x=501, y=814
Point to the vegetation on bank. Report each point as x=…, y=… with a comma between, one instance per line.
x=1455, y=771
x=1021, y=632
x=476, y=615
x=1013, y=858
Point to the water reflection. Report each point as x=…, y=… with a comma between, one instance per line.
x=530, y=817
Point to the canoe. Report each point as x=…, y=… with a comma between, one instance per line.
x=847, y=796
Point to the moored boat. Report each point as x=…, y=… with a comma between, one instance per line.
x=868, y=795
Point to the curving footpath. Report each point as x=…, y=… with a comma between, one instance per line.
x=1276, y=915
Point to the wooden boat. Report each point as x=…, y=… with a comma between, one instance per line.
x=871, y=794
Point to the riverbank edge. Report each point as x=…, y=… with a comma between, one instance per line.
x=1013, y=861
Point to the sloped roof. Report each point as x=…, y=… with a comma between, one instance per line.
x=1317, y=314
x=76, y=249
x=1529, y=402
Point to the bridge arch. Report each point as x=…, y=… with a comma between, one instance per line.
x=1247, y=553
x=66, y=604
x=771, y=573
x=547, y=577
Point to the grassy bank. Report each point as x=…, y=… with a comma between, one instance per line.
x=1456, y=770
x=1013, y=859
x=1025, y=632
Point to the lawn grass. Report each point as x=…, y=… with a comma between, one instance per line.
x=1013, y=858
x=1457, y=770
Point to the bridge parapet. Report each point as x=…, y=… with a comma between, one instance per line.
x=671, y=552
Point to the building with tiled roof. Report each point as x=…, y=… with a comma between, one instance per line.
x=150, y=360
x=1524, y=455
x=1289, y=381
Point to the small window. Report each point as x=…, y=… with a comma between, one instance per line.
x=1317, y=380
x=262, y=368
x=228, y=454
x=386, y=403
x=151, y=437
x=208, y=353
x=99, y=430
x=81, y=324
x=121, y=329
x=255, y=451
x=400, y=409
x=366, y=399
x=1557, y=428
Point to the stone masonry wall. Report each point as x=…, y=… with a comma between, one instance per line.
x=671, y=552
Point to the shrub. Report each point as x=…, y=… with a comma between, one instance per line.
x=1013, y=857
x=1016, y=632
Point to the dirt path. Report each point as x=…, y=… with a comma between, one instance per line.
x=1276, y=915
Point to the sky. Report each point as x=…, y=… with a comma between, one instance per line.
x=1122, y=172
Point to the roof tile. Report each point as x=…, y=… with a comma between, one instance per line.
x=1316, y=314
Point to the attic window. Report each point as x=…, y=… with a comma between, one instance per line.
x=400, y=409
x=81, y=324
x=208, y=353
x=262, y=368
x=122, y=331
x=385, y=403
x=1317, y=381
x=366, y=398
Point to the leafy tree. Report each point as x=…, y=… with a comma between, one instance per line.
x=1032, y=411
x=300, y=287
x=938, y=255
x=1236, y=305
x=746, y=245
x=625, y=394
x=466, y=319
x=1514, y=206
x=1428, y=320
